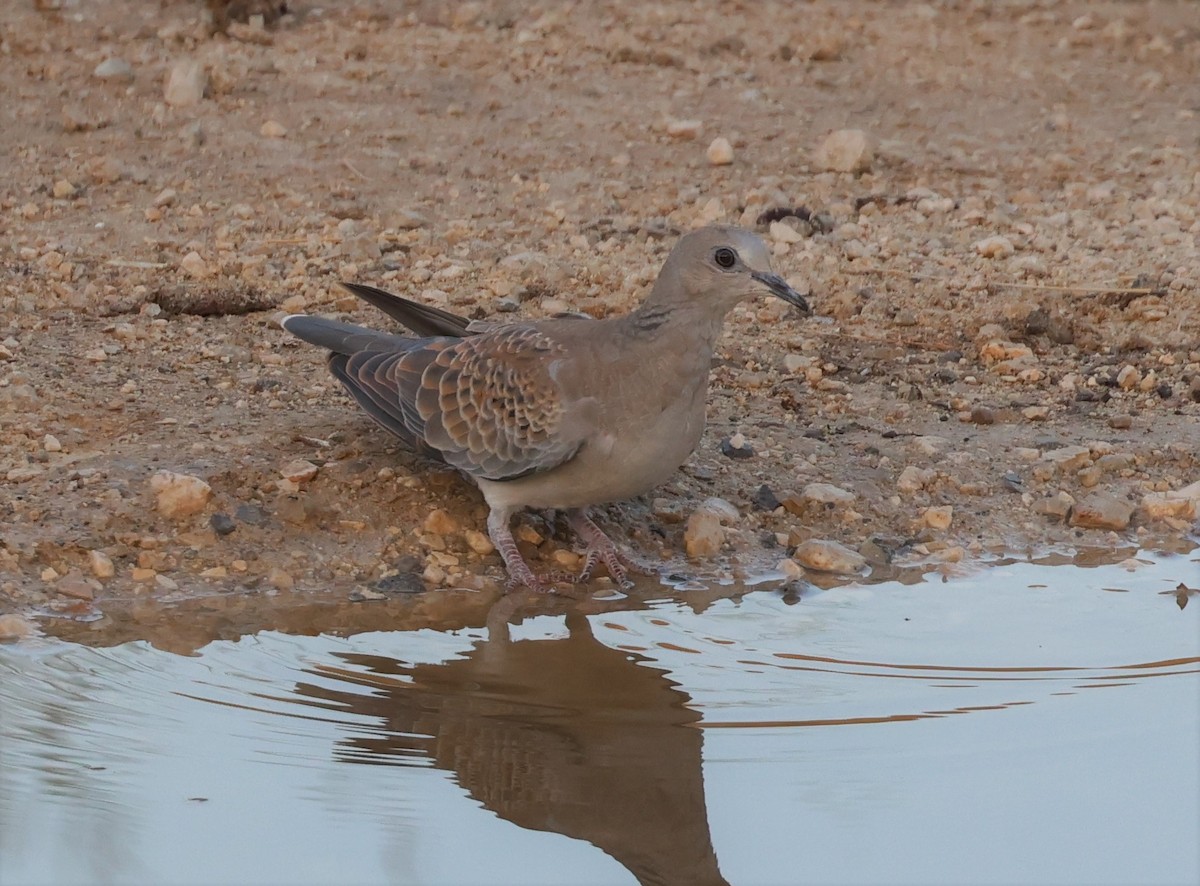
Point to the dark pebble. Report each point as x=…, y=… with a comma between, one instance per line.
x=1164, y=391
x=1012, y=482
x=401, y=583
x=950, y=356
x=730, y=451
x=251, y=515
x=814, y=434
x=765, y=499
x=983, y=415
x=222, y=524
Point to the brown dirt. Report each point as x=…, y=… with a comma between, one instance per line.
x=498, y=156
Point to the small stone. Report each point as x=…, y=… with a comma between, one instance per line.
x=75, y=586
x=273, y=129
x=194, y=266
x=251, y=515
x=24, y=472
x=829, y=556
x=63, y=189
x=790, y=568
x=765, y=499
x=408, y=220
x=782, y=232
x=434, y=575
x=726, y=511
x=930, y=444
x=1036, y=413
x=1128, y=377
x=101, y=564
x=113, y=69
x=1056, y=506
x=720, y=152
x=736, y=446
x=827, y=493
x=479, y=542
x=186, y=85
x=368, y=595
x=1121, y=422
x=139, y=573
x=995, y=247
x=1179, y=504
x=166, y=583
x=983, y=415
x=846, y=150
x=16, y=627
x=279, y=579
x=704, y=536
x=221, y=523
x=939, y=517
x=51, y=444
x=914, y=479
x=1102, y=511
x=1069, y=458
x=179, y=495
x=299, y=471
x=439, y=522
x=684, y=129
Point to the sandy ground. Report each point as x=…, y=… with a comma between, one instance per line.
x=1005, y=357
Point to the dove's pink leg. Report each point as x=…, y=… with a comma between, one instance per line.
x=519, y=572
x=602, y=549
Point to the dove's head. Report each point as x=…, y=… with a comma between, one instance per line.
x=714, y=268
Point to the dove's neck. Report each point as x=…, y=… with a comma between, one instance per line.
x=700, y=323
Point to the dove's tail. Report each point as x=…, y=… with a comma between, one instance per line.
x=424, y=320
x=344, y=338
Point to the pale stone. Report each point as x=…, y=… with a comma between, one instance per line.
x=187, y=82
x=51, y=443
x=995, y=247
x=914, y=479
x=938, y=517
x=273, y=129
x=829, y=556
x=720, y=152
x=1069, y=458
x=479, y=542
x=726, y=511
x=194, y=266
x=704, y=536
x=299, y=471
x=684, y=129
x=101, y=564
x=846, y=150
x=439, y=522
x=16, y=627
x=1101, y=511
x=827, y=493
x=113, y=69
x=781, y=232
x=179, y=495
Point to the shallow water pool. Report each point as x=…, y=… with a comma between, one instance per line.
x=1026, y=723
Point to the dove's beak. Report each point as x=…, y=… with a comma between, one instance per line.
x=777, y=286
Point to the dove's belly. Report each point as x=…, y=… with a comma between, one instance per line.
x=610, y=467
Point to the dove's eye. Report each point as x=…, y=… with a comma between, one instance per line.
x=725, y=257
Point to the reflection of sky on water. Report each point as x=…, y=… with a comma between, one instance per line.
x=983, y=730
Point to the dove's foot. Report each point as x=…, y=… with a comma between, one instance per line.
x=519, y=573
x=602, y=549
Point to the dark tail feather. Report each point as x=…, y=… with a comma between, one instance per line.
x=343, y=338
x=424, y=320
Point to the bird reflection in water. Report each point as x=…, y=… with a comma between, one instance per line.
x=564, y=735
